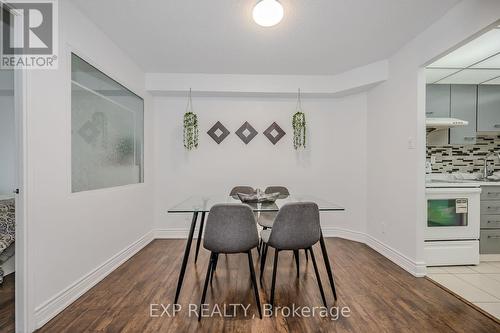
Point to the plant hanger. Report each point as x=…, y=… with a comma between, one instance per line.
x=299, y=125
x=190, y=134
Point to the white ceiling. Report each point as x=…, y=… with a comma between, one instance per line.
x=219, y=36
x=477, y=62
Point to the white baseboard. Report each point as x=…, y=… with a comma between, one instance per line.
x=59, y=302
x=174, y=233
x=181, y=233
x=418, y=269
x=489, y=257
x=344, y=233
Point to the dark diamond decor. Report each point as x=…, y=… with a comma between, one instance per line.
x=274, y=133
x=246, y=132
x=218, y=132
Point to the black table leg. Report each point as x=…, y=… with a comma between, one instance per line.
x=327, y=264
x=200, y=232
x=186, y=256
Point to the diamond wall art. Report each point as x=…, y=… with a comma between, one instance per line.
x=218, y=132
x=246, y=132
x=274, y=133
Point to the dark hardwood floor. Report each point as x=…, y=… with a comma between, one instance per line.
x=381, y=296
x=7, y=310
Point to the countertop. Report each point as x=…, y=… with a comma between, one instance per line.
x=459, y=183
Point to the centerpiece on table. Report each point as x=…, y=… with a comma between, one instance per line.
x=258, y=197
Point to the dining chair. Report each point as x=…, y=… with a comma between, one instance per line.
x=296, y=227
x=241, y=189
x=230, y=228
x=266, y=219
x=233, y=193
x=283, y=191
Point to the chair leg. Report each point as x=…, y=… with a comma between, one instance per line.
x=216, y=260
x=254, y=282
x=273, y=285
x=209, y=268
x=307, y=255
x=263, y=261
x=296, y=255
x=317, y=276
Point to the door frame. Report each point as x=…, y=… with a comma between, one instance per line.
x=22, y=288
x=23, y=294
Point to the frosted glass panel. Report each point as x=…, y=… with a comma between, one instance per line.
x=107, y=122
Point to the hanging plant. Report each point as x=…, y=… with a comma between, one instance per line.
x=190, y=126
x=299, y=126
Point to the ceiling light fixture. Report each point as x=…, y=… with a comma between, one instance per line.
x=267, y=13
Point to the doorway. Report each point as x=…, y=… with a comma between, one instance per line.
x=463, y=171
x=8, y=189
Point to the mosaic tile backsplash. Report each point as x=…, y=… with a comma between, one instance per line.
x=470, y=158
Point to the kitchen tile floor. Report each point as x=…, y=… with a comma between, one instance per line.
x=479, y=284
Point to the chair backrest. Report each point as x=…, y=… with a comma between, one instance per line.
x=283, y=191
x=241, y=189
x=296, y=226
x=230, y=228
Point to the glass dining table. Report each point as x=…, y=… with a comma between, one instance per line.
x=197, y=205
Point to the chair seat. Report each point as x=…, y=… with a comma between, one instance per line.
x=266, y=219
x=264, y=235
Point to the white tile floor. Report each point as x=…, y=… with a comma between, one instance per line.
x=479, y=284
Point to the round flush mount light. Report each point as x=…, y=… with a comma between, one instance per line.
x=267, y=13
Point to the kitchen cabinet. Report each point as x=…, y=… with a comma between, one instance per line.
x=463, y=102
x=437, y=101
x=489, y=242
x=488, y=108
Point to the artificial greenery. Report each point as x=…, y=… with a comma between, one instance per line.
x=299, y=125
x=125, y=149
x=190, y=126
x=190, y=131
x=299, y=130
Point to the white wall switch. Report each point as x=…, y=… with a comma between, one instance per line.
x=411, y=143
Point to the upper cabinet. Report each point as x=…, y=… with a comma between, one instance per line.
x=488, y=108
x=463, y=106
x=437, y=101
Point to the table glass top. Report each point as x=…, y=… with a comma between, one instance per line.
x=204, y=203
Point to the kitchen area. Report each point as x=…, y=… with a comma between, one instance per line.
x=462, y=230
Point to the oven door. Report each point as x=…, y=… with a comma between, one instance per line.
x=452, y=213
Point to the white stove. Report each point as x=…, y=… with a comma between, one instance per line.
x=453, y=223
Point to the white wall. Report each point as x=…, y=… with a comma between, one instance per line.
x=396, y=171
x=70, y=235
x=333, y=165
x=7, y=134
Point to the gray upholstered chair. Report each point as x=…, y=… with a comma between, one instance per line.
x=283, y=191
x=241, y=189
x=266, y=219
x=230, y=228
x=296, y=227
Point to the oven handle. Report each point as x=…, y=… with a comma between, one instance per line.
x=494, y=237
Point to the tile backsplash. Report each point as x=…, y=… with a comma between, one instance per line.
x=470, y=158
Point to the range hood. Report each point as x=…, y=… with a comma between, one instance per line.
x=444, y=123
